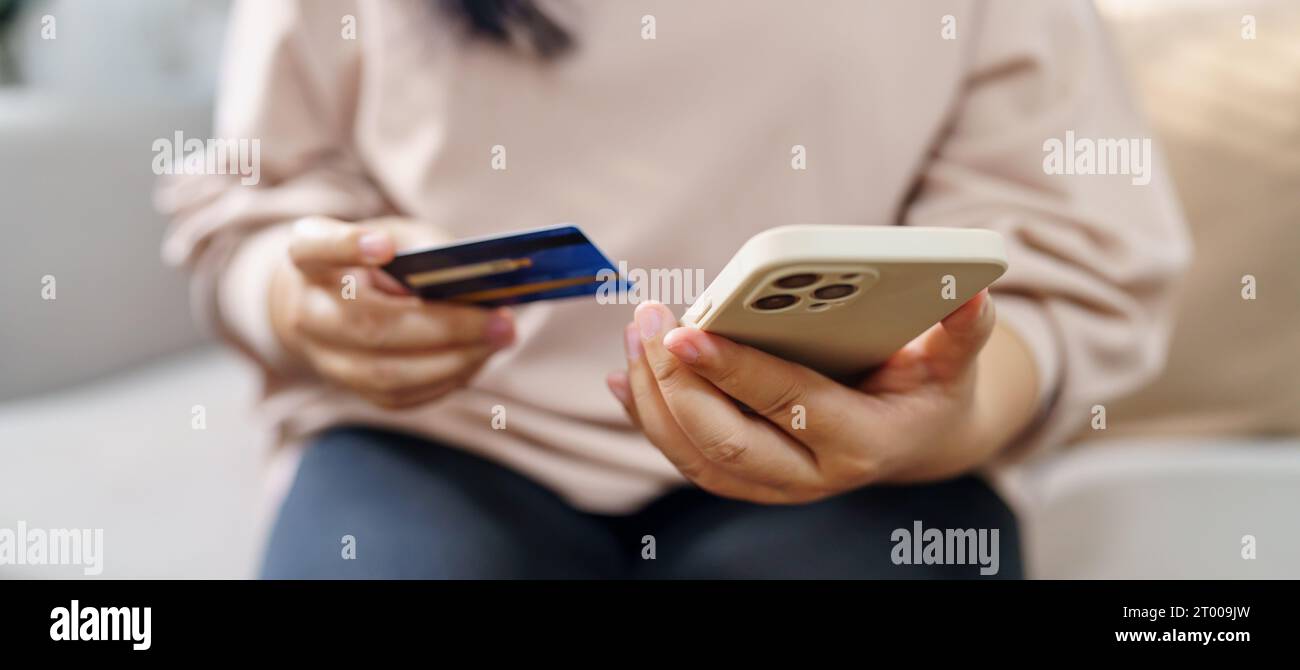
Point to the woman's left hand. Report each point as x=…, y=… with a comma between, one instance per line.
x=917, y=417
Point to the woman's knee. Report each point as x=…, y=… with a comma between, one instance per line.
x=370, y=504
x=949, y=530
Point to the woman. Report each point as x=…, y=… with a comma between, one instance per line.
x=435, y=440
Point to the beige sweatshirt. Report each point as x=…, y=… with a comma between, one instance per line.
x=670, y=152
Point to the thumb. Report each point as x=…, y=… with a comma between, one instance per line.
x=951, y=346
x=320, y=246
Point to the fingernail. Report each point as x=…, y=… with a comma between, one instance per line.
x=500, y=330
x=647, y=319
x=375, y=247
x=984, y=306
x=682, y=348
x=631, y=343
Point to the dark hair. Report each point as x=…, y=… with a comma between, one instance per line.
x=513, y=22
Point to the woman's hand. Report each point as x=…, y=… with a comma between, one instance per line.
x=355, y=326
x=937, y=408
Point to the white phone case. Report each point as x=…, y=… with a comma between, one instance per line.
x=855, y=294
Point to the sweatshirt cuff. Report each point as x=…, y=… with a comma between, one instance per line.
x=1030, y=322
x=243, y=298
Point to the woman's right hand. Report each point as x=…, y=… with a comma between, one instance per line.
x=356, y=327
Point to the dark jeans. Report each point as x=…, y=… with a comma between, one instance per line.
x=416, y=509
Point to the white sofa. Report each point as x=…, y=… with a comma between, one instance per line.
x=97, y=386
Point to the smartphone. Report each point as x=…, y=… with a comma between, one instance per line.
x=843, y=299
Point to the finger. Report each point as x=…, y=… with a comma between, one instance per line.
x=951, y=346
x=656, y=420
x=392, y=374
x=387, y=323
x=402, y=400
x=618, y=385
x=743, y=445
x=387, y=283
x=662, y=430
x=807, y=406
x=320, y=247
x=409, y=398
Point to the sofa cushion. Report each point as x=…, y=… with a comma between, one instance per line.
x=1227, y=111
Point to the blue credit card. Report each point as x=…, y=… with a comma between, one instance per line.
x=542, y=264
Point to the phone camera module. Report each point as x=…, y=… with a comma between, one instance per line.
x=797, y=281
x=774, y=302
x=834, y=291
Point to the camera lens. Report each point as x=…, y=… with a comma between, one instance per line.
x=834, y=291
x=797, y=281
x=773, y=302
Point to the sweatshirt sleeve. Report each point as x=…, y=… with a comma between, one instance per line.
x=1094, y=259
x=288, y=88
